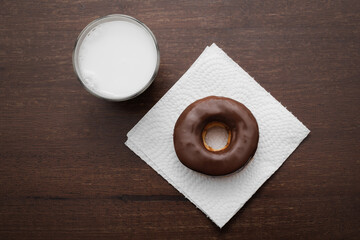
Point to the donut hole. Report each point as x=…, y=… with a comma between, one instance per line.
x=216, y=136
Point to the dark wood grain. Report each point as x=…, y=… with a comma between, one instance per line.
x=65, y=171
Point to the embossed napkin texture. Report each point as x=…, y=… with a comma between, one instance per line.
x=215, y=73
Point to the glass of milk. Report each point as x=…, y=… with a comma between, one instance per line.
x=116, y=57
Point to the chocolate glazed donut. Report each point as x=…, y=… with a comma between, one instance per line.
x=190, y=130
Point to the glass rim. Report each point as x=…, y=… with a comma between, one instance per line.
x=92, y=25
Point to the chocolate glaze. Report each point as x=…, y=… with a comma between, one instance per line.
x=188, y=141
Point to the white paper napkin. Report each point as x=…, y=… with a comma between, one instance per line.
x=214, y=73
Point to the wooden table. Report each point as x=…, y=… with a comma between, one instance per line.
x=66, y=173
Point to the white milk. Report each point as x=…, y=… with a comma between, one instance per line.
x=117, y=59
